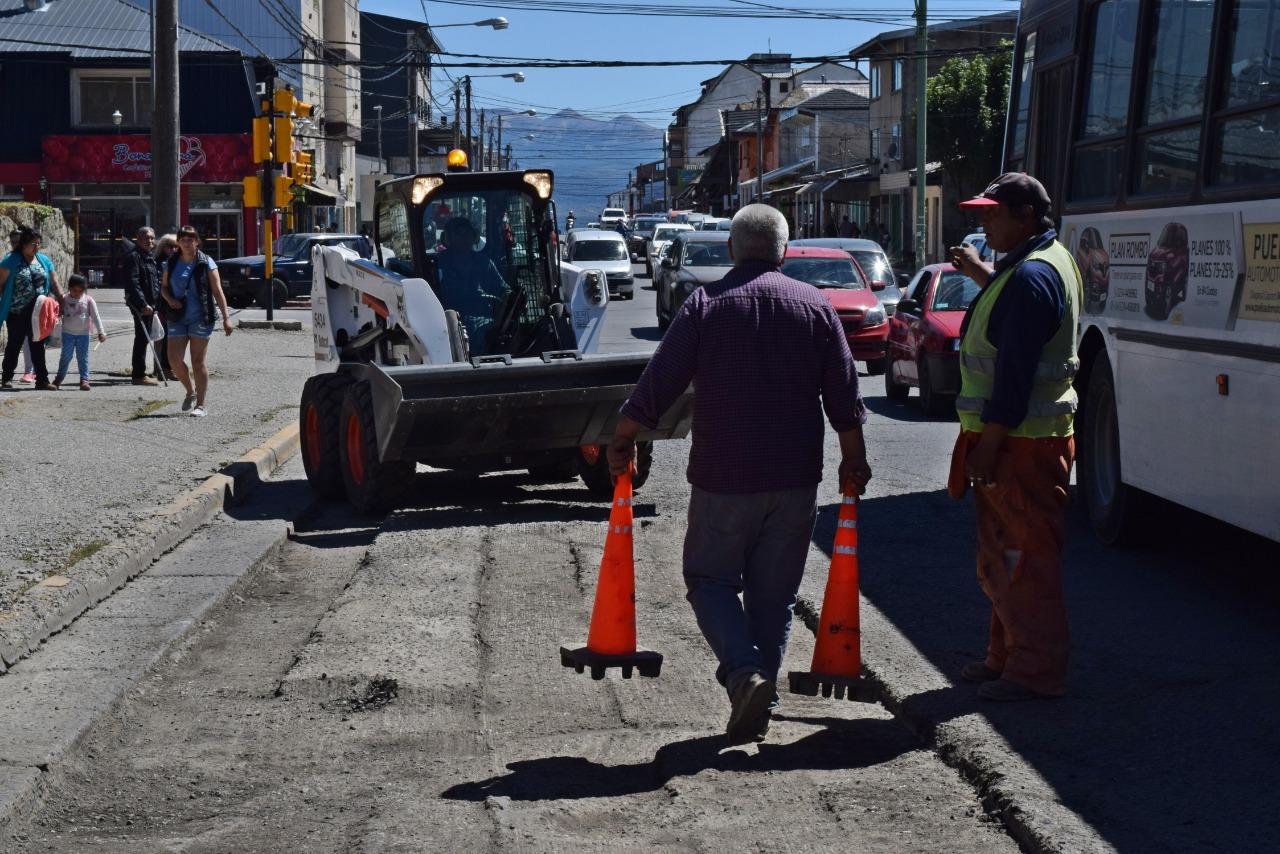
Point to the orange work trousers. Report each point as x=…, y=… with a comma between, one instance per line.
x=1021, y=529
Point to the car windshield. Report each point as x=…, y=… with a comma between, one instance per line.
x=874, y=264
x=666, y=232
x=954, y=292
x=610, y=213
x=706, y=255
x=290, y=244
x=646, y=226
x=599, y=250
x=823, y=272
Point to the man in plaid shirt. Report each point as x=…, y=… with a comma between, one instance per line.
x=767, y=356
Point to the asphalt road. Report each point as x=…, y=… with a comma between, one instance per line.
x=393, y=685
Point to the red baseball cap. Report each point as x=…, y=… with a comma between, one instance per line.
x=1013, y=189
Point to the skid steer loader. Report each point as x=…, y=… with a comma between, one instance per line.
x=464, y=344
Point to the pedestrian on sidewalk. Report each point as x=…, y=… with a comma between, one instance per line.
x=25, y=275
x=166, y=246
x=190, y=285
x=1015, y=449
x=142, y=295
x=79, y=320
x=768, y=355
x=28, y=368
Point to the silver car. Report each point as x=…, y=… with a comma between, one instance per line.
x=696, y=258
x=603, y=250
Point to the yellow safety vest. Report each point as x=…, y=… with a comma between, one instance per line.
x=1053, y=397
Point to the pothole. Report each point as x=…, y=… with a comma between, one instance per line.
x=379, y=691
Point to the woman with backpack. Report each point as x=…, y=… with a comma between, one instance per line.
x=25, y=275
x=190, y=286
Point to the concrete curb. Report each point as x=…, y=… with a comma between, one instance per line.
x=281, y=325
x=57, y=601
x=1008, y=787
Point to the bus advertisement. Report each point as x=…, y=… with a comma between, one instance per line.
x=1167, y=189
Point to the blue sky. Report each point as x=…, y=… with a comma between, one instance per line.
x=647, y=93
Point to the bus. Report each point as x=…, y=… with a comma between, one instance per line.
x=1155, y=126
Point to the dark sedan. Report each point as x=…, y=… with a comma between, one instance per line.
x=243, y=278
x=697, y=258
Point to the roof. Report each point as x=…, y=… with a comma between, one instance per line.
x=595, y=234
x=91, y=29
x=882, y=39
x=844, y=244
x=794, y=251
x=705, y=237
x=836, y=99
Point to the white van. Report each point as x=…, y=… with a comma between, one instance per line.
x=603, y=250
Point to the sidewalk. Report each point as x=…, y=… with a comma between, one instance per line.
x=84, y=470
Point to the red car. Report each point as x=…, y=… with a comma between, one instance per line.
x=924, y=337
x=842, y=282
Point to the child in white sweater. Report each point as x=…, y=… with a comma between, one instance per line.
x=79, y=319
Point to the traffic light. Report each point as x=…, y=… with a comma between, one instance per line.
x=252, y=191
x=261, y=139
x=286, y=107
x=303, y=170
x=284, y=190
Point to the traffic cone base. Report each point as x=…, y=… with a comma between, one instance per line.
x=580, y=658
x=611, y=639
x=857, y=688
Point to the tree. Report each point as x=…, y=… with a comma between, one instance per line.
x=968, y=102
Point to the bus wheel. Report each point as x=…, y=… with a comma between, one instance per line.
x=1108, y=501
x=593, y=468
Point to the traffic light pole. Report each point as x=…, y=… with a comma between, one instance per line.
x=165, y=207
x=269, y=202
x=922, y=107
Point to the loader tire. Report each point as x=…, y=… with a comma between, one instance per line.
x=373, y=486
x=593, y=468
x=318, y=419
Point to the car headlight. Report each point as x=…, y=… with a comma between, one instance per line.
x=874, y=317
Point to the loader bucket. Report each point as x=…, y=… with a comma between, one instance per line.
x=442, y=414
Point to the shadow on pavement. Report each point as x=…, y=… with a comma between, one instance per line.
x=646, y=333
x=1166, y=740
x=900, y=410
x=839, y=745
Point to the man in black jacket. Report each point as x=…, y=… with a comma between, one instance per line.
x=142, y=293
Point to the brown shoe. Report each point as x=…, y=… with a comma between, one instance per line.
x=1004, y=691
x=977, y=671
x=84, y=385
x=749, y=720
x=144, y=381
x=46, y=386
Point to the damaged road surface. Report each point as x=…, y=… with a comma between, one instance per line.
x=400, y=690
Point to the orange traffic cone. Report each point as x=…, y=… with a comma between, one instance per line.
x=611, y=640
x=837, y=653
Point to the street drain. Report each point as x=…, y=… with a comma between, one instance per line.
x=380, y=691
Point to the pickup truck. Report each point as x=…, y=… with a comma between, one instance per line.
x=242, y=278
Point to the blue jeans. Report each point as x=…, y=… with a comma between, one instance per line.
x=753, y=545
x=79, y=346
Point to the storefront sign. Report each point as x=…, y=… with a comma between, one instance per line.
x=126, y=158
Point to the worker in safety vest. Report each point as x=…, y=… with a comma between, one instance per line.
x=1016, y=406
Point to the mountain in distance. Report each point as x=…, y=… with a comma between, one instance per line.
x=590, y=157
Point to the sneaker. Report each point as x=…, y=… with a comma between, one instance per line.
x=6, y=384
x=977, y=671
x=144, y=381
x=749, y=720
x=1005, y=691
x=29, y=377
x=188, y=402
x=198, y=412
x=84, y=385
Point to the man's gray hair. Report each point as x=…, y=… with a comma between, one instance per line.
x=146, y=229
x=759, y=233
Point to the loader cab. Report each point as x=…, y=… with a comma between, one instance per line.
x=485, y=243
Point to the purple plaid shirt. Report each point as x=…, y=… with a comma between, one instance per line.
x=766, y=355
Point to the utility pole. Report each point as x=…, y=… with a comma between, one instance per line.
x=165, y=208
x=377, y=111
x=507, y=157
x=922, y=106
x=457, y=117
x=480, y=140
x=500, y=165
x=467, y=83
x=759, y=149
x=411, y=71
x=666, y=171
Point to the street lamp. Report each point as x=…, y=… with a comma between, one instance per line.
x=496, y=23
x=464, y=87
x=378, y=110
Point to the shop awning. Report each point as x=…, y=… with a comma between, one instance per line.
x=313, y=195
x=785, y=191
